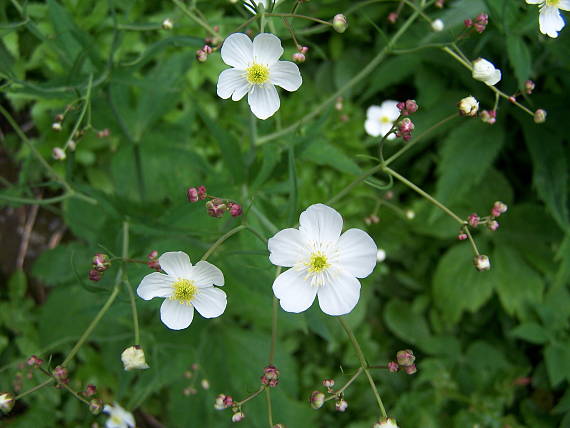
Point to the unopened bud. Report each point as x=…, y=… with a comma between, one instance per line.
x=34, y=361
x=58, y=153
x=340, y=23
x=405, y=358
x=392, y=17
x=270, y=376
x=59, y=117
x=192, y=194
x=235, y=210
x=101, y=262
x=238, y=417
x=317, y=399
x=411, y=369
x=393, y=367
x=94, y=275
x=540, y=116
x=167, y=24
x=223, y=402
x=90, y=391
x=7, y=402
x=410, y=214
x=216, y=208
x=202, y=192
x=298, y=57
x=462, y=236
x=468, y=23
x=486, y=72
x=482, y=263
x=201, y=56
x=341, y=405
x=133, y=358
x=499, y=208
x=328, y=383
x=304, y=49
x=56, y=126
x=205, y=384
x=529, y=86
x=437, y=25
x=96, y=406
x=338, y=105
x=385, y=423
x=380, y=255
x=468, y=106
x=493, y=225
x=61, y=373
x=473, y=220
x=406, y=126
x=488, y=116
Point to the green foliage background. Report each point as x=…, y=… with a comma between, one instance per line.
x=477, y=336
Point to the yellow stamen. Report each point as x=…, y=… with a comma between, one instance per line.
x=318, y=262
x=552, y=2
x=257, y=74
x=385, y=119
x=184, y=291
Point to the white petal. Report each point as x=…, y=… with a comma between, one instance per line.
x=266, y=49
x=155, y=284
x=204, y=274
x=535, y=1
x=389, y=108
x=564, y=4
x=175, y=263
x=263, y=100
x=287, y=247
x=175, y=315
x=210, y=302
x=550, y=20
x=286, y=74
x=340, y=294
x=494, y=78
x=237, y=51
x=384, y=129
x=294, y=293
x=232, y=83
x=357, y=253
x=374, y=112
x=320, y=223
x=373, y=127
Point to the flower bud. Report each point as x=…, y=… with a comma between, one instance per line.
x=304, y=49
x=96, y=406
x=71, y=145
x=167, y=24
x=380, y=255
x=486, y=72
x=328, y=383
x=468, y=106
x=340, y=24
x=95, y=275
x=202, y=193
x=317, y=399
x=61, y=373
x=480, y=22
x=338, y=105
x=34, y=361
x=133, y=358
x=392, y=17
x=205, y=384
x=493, y=225
x=341, y=405
x=468, y=23
x=482, y=263
x=59, y=154
x=393, y=367
x=298, y=57
x=488, y=116
x=101, y=262
x=201, y=56
x=59, y=117
x=192, y=194
x=405, y=358
x=540, y=116
x=411, y=369
x=406, y=126
x=439, y=4
x=104, y=133
x=385, y=423
x=270, y=376
x=56, y=126
x=7, y=402
x=473, y=220
x=462, y=236
x=216, y=208
x=529, y=86
x=238, y=417
x=223, y=402
x=235, y=210
x=90, y=391
x=499, y=208
x=410, y=214
x=437, y=25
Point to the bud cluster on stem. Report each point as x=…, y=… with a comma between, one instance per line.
x=216, y=207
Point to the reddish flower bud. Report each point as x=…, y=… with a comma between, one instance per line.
x=303, y=49
x=473, y=220
x=101, y=262
x=411, y=106
x=90, y=391
x=411, y=369
x=468, y=23
x=216, y=208
x=392, y=17
x=498, y=209
x=298, y=57
x=95, y=275
x=192, y=194
x=270, y=376
x=462, y=236
x=405, y=358
x=61, y=373
x=202, y=193
x=406, y=126
x=201, y=56
x=393, y=366
x=235, y=210
x=34, y=361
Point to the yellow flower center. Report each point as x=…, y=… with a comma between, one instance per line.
x=318, y=262
x=257, y=74
x=552, y=2
x=116, y=420
x=184, y=291
x=385, y=119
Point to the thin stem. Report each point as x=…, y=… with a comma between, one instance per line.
x=424, y=194
x=346, y=385
x=269, y=409
x=64, y=385
x=34, y=389
x=458, y=58
x=251, y=397
x=134, y=311
x=86, y=102
x=194, y=18
x=221, y=240
x=471, y=240
x=355, y=183
x=293, y=15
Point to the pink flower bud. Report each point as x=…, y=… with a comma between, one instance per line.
x=235, y=210
x=303, y=49
x=153, y=264
x=392, y=17
x=328, y=383
x=201, y=56
x=493, y=225
x=317, y=399
x=488, y=116
x=207, y=49
x=529, y=86
x=498, y=209
x=34, y=361
x=405, y=358
x=411, y=369
x=103, y=133
x=462, y=236
x=270, y=376
x=238, y=417
x=473, y=220
x=216, y=208
x=90, y=391
x=202, y=193
x=94, y=275
x=101, y=262
x=192, y=194
x=468, y=23
x=153, y=255
x=61, y=373
x=393, y=367
x=298, y=57
x=406, y=126
x=58, y=153
x=341, y=405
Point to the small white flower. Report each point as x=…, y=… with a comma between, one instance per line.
x=386, y=423
x=250, y=5
x=550, y=20
x=468, y=106
x=118, y=417
x=486, y=72
x=380, y=255
x=184, y=288
x=323, y=262
x=256, y=70
x=380, y=119
x=133, y=358
x=6, y=402
x=437, y=25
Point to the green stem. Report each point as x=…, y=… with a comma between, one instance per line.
x=29, y=201
x=34, y=389
x=64, y=385
x=251, y=397
x=458, y=58
x=293, y=15
x=346, y=385
x=134, y=311
x=471, y=240
x=269, y=410
x=424, y=194
x=355, y=183
x=222, y=239
x=86, y=102
x=194, y=18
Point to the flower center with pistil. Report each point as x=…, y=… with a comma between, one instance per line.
x=257, y=74
x=318, y=262
x=385, y=119
x=184, y=291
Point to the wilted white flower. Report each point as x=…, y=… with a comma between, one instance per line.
x=468, y=106
x=437, y=25
x=550, y=20
x=118, y=417
x=133, y=358
x=486, y=72
x=323, y=262
x=256, y=70
x=184, y=288
x=252, y=4
x=380, y=119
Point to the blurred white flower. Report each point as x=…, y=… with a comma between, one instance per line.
x=550, y=20
x=437, y=25
x=118, y=417
x=380, y=255
x=380, y=119
x=486, y=72
x=386, y=423
x=256, y=70
x=184, y=288
x=133, y=358
x=323, y=262
x=251, y=4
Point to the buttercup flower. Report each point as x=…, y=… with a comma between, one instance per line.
x=256, y=70
x=323, y=262
x=486, y=72
x=252, y=4
x=379, y=119
x=118, y=417
x=550, y=20
x=184, y=288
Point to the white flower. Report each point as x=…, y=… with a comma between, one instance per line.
x=184, y=288
x=118, y=417
x=323, y=262
x=256, y=70
x=133, y=358
x=468, y=106
x=386, y=423
x=437, y=25
x=251, y=4
x=380, y=255
x=486, y=72
x=6, y=402
x=380, y=119
x=550, y=20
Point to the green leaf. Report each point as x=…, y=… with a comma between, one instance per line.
x=458, y=286
x=408, y=325
x=17, y=285
x=531, y=332
x=323, y=153
x=519, y=57
x=557, y=357
x=270, y=157
x=518, y=285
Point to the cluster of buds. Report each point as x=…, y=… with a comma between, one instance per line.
x=405, y=361
x=340, y=23
x=407, y=107
x=99, y=264
x=479, y=23
x=488, y=116
x=195, y=194
x=405, y=129
x=317, y=399
x=328, y=384
x=35, y=362
x=152, y=262
x=223, y=402
x=61, y=375
x=386, y=423
x=372, y=219
x=300, y=57
x=103, y=133
x=490, y=221
x=133, y=358
x=7, y=401
x=468, y=106
x=202, y=54
x=216, y=207
x=270, y=376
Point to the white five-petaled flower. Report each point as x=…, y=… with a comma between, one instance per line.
x=486, y=72
x=380, y=119
x=252, y=4
x=256, y=70
x=118, y=417
x=550, y=20
x=184, y=288
x=323, y=262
